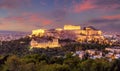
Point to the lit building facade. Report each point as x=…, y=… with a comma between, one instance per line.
x=50, y=44
x=71, y=27
x=38, y=32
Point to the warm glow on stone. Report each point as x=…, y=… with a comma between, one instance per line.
x=38, y=32
x=71, y=27
x=53, y=44
x=59, y=29
x=100, y=32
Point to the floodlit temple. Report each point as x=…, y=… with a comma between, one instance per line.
x=50, y=44
x=71, y=27
x=68, y=32
x=38, y=32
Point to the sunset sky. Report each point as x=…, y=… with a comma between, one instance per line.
x=26, y=15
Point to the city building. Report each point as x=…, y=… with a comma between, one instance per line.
x=113, y=49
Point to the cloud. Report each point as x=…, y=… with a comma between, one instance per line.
x=107, y=19
x=13, y=4
x=38, y=19
x=30, y=19
x=109, y=23
x=107, y=2
x=111, y=27
x=86, y=5
x=112, y=17
x=102, y=20
x=59, y=14
x=25, y=22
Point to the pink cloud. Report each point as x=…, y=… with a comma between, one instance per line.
x=102, y=5
x=85, y=5
x=20, y=22
x=28, y=18
x=14, y=4
x=112, y=17
x=37, y=19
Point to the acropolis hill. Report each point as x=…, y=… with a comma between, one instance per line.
x=71, y=32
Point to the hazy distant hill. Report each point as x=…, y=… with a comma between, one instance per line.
x=13, y=32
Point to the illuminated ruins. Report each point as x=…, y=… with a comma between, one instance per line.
x=68, y=32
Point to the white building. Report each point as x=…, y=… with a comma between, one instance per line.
x=114, y=49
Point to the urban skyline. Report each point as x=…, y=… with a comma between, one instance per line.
x=26, y=15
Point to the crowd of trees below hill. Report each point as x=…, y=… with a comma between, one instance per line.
x=36, y=62
x=17, y=47
x=21, y=47
x=16, y=55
